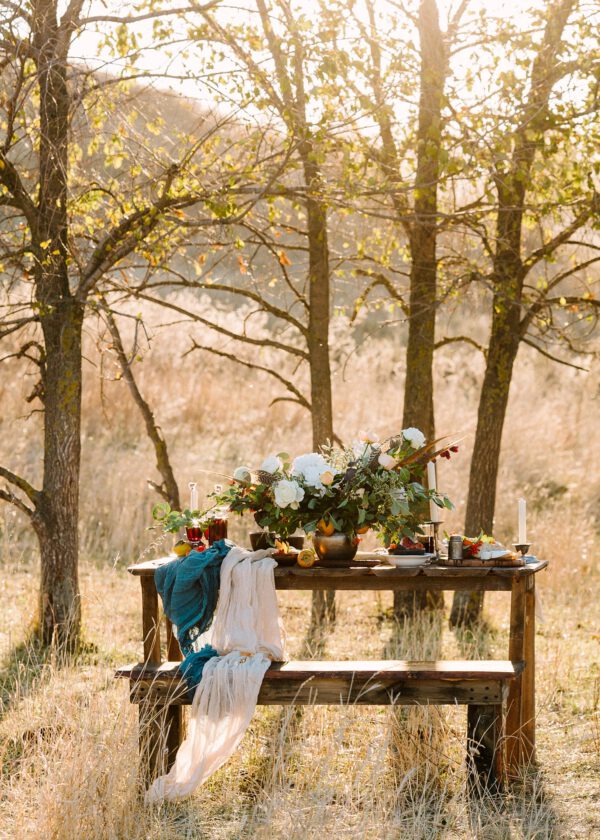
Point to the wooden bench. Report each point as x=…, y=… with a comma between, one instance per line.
x=499, y=694
x=481, y=686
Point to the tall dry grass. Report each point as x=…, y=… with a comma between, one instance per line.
x=68, y=734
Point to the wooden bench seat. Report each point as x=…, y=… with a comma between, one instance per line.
x=482, y=686
x=329, y=682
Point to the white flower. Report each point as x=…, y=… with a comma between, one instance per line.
x=243, y=475
x=364, y=451
x=271, y=464
x=327, y=478
x=386, y=461
x=310, y=468
x=287, y=493
x=415, y=437
x=368, y=436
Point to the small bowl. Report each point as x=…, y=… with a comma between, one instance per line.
x=408, y=561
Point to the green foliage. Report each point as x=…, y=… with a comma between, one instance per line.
x=349, y=489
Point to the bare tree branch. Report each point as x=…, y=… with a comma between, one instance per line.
x=169, y=489
x=379, y=279
x=23, y=485
x=174, y=12
x=10, y=497
x=11, y=180
x=553, y=358
x=192, y=316
x=299, y=397
x=465, y=339
x=236, y=290
x=591, y=208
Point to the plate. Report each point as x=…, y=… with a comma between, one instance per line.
x=407, y=561
x=492, y=553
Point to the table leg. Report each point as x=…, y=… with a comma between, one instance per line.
x=150, y=624
x=528, y=684
x=516, y=653
x=485, y=753
x=153, y=756
x=173, y=649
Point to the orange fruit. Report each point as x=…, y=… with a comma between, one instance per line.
x=325, y=528
x=182, y=548
x=363, y=530
x=306, y=558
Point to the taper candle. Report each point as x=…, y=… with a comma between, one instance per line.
x=193, y=495
x=434, y=511
x=522, y=507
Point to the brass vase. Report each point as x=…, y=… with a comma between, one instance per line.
x=336, y=550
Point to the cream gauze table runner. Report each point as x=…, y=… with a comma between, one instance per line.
x=248, y=634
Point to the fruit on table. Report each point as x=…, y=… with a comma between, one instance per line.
x=406, y=542
x=326, y=528
x=307, y=558
x=182, y=548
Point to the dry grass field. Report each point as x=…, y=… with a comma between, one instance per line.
x=68, y=739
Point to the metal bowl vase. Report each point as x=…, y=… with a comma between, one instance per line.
x=336, y=550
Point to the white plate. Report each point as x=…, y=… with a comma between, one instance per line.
x=485, y=553
x=407, y=561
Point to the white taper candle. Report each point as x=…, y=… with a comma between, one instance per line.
x=193, y=495
x=522, y=522
x=434, y=511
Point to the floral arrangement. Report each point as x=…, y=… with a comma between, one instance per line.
x=344, y=489
x=172, y=520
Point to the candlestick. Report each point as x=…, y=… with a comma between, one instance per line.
x=434, y=511
x=193, y=495
x=522, y=508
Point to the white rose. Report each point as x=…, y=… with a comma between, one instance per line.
x=243, y=475
x=368, y=436
x=271, y=464
x=415, y=437
x=287, y=493
x=386, y=461
x=310, y=468
x=364, y=451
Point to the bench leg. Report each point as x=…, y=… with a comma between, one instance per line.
x=485, y=748
x=160, y=736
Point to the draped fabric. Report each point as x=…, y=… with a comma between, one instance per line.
x=189, y=588
x=247, y=633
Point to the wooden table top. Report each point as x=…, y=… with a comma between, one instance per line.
x=367, y=577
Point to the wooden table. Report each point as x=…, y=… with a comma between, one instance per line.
x=519, y=581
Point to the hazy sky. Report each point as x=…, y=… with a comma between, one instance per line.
x=85, y=46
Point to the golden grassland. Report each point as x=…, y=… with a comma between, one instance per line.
x=68, y=735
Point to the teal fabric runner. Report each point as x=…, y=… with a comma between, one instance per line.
x=189, y=588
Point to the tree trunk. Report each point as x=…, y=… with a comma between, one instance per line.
x=61, y=319
x=508, y=277
x=323, y=603
x=418, y=391
x=318, y=324
x=58, y=509
x=481, y=501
